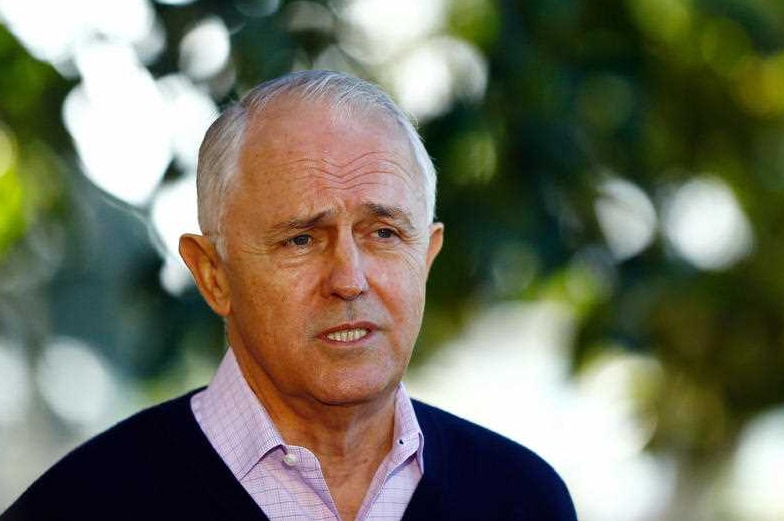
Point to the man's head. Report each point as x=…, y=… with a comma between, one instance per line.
x=322, y=197
x=349, y=96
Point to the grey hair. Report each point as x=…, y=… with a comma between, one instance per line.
x=219, y=154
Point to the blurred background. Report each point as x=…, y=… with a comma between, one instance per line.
x=611, y=179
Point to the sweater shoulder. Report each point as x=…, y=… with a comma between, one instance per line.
x=144, y=433
x=472, y=461
x=475, y=439
x=144, y=462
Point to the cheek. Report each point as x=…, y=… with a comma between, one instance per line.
x=414, y=269
x=260, y=293
x=402, y=284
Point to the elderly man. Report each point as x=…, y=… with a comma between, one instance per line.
x=316, y=203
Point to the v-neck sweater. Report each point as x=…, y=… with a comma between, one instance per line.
x=158, y=464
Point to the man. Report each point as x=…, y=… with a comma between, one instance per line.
x=316, y=203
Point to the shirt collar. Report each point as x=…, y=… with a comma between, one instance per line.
x=407, y=430
x=231, y=416
x=242, y=432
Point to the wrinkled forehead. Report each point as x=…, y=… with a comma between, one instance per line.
x=286, y=114
x=288, y=129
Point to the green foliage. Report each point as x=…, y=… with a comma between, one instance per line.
x=12, y=222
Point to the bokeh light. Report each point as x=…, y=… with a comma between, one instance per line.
x=174, y=213
x=189, y=113
x=626, y=217
x=76, y=383
x=757, y=478
x=379, y=30
x=441, y=70
x=705, y=224
x=67, y=25
x=15, y=389
x=205, y=49
x=114, y=116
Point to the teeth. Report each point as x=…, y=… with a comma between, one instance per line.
x=348, y=335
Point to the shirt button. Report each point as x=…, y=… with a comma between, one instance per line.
x=290, y=459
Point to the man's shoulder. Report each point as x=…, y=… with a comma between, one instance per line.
x=155, y=462
x=483, y=472
x=136, y=440
x=119, y=458
x=454, y=431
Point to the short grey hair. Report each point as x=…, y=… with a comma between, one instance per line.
x=219, y=154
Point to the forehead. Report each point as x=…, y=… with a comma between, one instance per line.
x=290, y=126
x=300, y=155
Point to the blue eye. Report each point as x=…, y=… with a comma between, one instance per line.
x=300, y=240
x=385, y=233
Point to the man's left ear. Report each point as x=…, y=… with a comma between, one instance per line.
x=436, y=241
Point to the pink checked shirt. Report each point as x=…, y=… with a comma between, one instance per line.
x=285, y=480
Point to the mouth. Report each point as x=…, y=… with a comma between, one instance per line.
x=347, y=333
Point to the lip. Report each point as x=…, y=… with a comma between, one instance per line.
x=369, y=326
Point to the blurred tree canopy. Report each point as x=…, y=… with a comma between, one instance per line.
x=584, y=101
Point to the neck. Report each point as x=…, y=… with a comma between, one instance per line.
x=349, y=440
x=350, y=443
x=328, y=429
x=335, y=431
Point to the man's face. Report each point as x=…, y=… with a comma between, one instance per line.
x=328, y=248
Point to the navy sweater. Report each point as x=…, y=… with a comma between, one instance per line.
x=159, y=465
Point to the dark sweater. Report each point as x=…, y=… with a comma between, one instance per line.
x=159, y=465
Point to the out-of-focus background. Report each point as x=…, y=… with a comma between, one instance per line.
x=611, y=178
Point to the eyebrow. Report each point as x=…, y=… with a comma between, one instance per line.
x=395, y=213
x=303, y=223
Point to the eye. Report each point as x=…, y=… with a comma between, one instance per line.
x=385, y=233
x=300, y=240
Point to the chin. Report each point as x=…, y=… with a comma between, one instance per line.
x=357, y=393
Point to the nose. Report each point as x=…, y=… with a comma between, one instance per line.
x=346, y=274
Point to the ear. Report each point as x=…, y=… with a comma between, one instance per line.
x=436, y=241
x=208, y=271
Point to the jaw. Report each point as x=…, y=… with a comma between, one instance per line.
x=329, y=373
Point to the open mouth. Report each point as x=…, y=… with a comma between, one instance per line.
x=348, y=335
